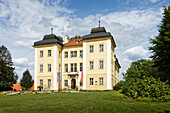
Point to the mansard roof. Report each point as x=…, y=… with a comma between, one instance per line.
x=74, y=42
x=97, y=33
x=48, y=39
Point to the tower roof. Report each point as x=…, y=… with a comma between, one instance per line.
x=97, y=33
x=48, y=39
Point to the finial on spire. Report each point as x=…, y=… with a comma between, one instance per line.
x=99, y=21
x=51, y=30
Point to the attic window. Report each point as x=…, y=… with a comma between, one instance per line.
x=77, y=41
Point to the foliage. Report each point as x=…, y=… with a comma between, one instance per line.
x=148, y=87
x=119, y=95
x=7, y=74
x=61, y=38
x=118, y=85
x=76, y=37
x=161, y=47
x=138, y=69
x=26, y=80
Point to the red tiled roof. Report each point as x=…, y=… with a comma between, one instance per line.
x=73, y=43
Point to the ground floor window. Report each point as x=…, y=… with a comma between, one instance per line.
x=100, y=81
x=66, y=82
x=41, y=82
x=49, y=82
x=91, y=81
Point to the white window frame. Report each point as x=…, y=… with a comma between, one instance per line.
x=66, y=55
x=81, y=53
x=49, y=82
x=41, y=53
x=41, y=68
x=49, y=67
x=101, y=81
x=91, y=48
x=101, y=64
x=81, y=66
x=41, y=82
x=101, y=47
x=91, y=65
x=91, y=82
x=66, y=67
x=49, y=53
x=72, y=54
x=72, y=67
x=65, y=83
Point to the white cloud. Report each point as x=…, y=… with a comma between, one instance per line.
x=19, y=61
x=135, y=53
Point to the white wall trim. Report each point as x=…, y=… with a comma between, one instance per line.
x=35, y=70
x=109, y=86
x=54, y=68
x=62, y=72
x=84, y=65
x=57, y=66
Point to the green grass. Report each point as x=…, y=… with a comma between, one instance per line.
x=78, y=102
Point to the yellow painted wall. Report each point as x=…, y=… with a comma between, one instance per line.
x=45, y=60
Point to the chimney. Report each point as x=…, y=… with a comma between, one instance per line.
x=67, y=38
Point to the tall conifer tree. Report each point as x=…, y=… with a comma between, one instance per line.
x=161, y=47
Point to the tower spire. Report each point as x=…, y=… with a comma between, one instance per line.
x=99, y=21
x=51, y=30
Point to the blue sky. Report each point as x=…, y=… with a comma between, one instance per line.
x=131, y=22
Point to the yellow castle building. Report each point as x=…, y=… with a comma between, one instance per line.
x=85, y=64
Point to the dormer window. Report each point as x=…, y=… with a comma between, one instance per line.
x=77, y=41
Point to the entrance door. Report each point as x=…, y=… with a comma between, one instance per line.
x=73, y=84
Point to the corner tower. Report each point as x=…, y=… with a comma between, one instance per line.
x=47, y=69
x=98, y=60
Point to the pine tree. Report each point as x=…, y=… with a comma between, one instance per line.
x=7, y=74
x=161, y=47
x=26, y=80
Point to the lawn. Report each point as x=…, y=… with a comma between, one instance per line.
x=78, y=102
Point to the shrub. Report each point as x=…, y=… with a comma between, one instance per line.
x=118, y=85
x=119, y=95
x=147, y=88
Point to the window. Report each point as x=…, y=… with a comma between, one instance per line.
x=41, y=53
x=75, y=53
x=101, y=64
x=91, y=64
x=71, y=67
x=66, y=67
x=81, y=53
x=41, y=68
x=49, y=52
x=66, y=82
x=81, y=66
x=91, y=81
x=101, y=47
x=91, y=49
x=100, y=81
x=41, y=82
x=77, y=41
x=75, y=67
x=81, y=83
x=71, y=53
x=49, y=67
x=66, y=54
x=49, y=82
